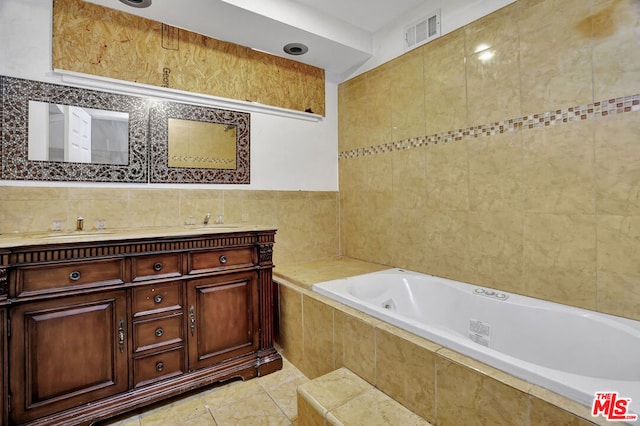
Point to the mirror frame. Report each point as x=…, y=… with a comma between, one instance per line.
x=160, y=172
x=14, y=110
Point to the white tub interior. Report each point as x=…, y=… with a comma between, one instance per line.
x=571, y=351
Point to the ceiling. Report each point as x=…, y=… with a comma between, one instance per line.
x=339, y=33
x=369, y=15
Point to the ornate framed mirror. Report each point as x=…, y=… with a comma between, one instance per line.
x=195, y=144
x=61, y=133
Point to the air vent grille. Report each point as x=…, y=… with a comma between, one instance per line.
x=422, y=30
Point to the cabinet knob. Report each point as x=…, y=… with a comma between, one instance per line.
x=160, y=366
x=157, y=298
x=74, y=276
x=159, y=332
x=157, y=266
x=223, y=259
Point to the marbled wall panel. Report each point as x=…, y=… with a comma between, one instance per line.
x=444, y=82
x=564, y=77
x=559, y=169
x=616, y=62
x=559, y=252
x=407, y=96
x=353, y=118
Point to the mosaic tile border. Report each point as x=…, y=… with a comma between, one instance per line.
x=561, y=116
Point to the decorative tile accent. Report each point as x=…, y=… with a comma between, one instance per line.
x=551, y=118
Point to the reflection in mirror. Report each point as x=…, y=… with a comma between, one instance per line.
x=201, y=145
x=75, y=134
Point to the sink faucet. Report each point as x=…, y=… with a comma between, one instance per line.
x=80, y=223
x=206, y=218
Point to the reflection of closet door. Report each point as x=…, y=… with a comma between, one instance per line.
x=38, y=144
x=77, y=135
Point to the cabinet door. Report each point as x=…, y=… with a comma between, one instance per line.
x=3, y=367
x=67, y=352
x=222, y=317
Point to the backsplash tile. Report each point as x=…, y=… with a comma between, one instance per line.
x=307, y=221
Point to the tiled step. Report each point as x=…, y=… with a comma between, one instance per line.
x=343, y=398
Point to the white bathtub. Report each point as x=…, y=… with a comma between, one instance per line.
x=571, y=351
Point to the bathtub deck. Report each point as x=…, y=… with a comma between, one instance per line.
x=308, y=273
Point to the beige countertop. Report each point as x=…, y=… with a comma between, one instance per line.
x=23, y=239
x=305, y=274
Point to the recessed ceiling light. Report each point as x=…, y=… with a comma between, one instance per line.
x=137, y=3
x=296, y=49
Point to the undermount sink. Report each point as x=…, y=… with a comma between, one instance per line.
x=74, y=235
x=216, y=226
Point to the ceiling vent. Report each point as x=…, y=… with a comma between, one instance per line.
x=422, y=30
x=137, y=3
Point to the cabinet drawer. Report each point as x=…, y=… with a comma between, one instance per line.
x=156, y=333
x=37, y=279
x=156, y=266
x=205, y=261
x=150, y=299
x=155, y=367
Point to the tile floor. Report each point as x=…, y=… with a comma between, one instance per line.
x=268, y=400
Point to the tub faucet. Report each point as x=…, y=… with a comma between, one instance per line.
x=206, y=218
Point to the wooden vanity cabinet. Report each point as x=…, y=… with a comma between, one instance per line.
x=120, y=324
x=4, y=393
x=3, y=367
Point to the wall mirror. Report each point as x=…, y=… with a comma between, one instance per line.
x=117, y=138
x=26, y=108
x=75, y=134
x=194, y=144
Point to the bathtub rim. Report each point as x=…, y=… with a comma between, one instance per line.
x=562, y=403
x=486, y=355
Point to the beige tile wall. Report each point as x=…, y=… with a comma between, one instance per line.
x=548, y=209
x=307, y=222
x=320, y=335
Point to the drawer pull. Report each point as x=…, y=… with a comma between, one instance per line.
x=158, y=298
x=121, y=335
x=192, y=320
x=157, y=266
x=159, y=332
x=74, y=276
x=160, y=366
x=223, y=259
